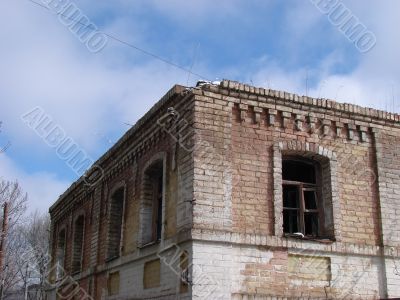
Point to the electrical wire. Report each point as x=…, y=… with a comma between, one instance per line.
x=115, y=38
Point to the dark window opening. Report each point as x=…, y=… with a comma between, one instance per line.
x=157, y=204
x=115, y=223
x=310, y=199
x=301, y=210
x=310, y=224
x=290, y=197
x=290, y=221
x=78, y=244
x=152, y=203
x=300, y=171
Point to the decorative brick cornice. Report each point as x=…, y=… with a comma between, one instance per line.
x=142, y=147
x=72, y=201
x=132, y=136
x=264, y=95
x=300, y=121
x=256, y=105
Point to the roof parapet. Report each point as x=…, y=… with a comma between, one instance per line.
x=318, y=102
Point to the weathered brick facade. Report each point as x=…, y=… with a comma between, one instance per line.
x=203, y=183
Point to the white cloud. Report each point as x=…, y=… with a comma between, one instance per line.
x=48, y=67
x=374, y=82
x=43, y=188
x=198, y=10
x=89, y=96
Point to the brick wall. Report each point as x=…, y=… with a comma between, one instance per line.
x=388, y=166
x=264, y=268
x=222, y=203
x=238, y=190
x=124, y=167
x=246, y=150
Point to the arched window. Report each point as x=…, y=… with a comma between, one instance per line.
x=302, y=199
x=77, y=249
x=60, y=254
x=115, y=223
x=152, y=195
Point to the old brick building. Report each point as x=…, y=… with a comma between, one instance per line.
x=227, y=191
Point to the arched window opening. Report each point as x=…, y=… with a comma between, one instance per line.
x=115, y=223
x=302, y=206
x=152, y=197
x=77, y=249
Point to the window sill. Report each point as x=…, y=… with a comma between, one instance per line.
x=322, y=240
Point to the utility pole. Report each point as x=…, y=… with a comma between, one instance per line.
x=2, y=247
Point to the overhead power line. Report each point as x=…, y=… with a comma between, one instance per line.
x=117, y=39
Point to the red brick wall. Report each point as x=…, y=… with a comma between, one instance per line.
x=125, y=166
x=229, y=184
x=246, y=148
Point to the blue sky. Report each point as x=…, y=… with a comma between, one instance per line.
x=273, y=44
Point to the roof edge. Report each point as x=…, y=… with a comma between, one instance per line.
x=175, y=90
x=239, y=87
x=317, y=102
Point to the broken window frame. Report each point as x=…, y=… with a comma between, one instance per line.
x=301, y=207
